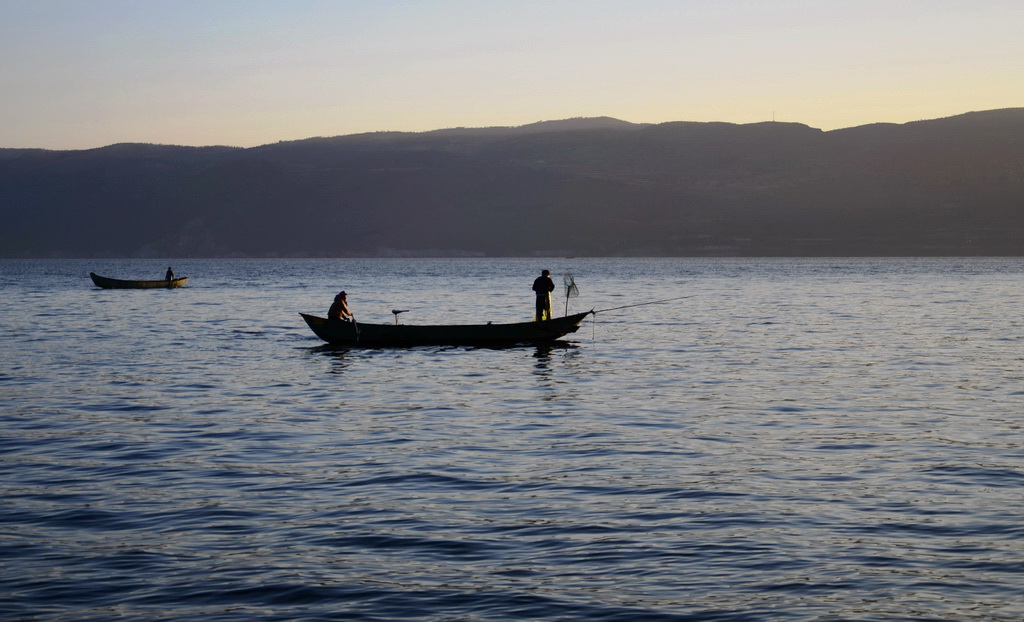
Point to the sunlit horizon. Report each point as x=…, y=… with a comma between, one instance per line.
x=91, y=74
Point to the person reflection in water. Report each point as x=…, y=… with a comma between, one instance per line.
x=543, y=286
x=339, y=309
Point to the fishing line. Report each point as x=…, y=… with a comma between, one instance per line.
x=594, y=312
x=640, y=304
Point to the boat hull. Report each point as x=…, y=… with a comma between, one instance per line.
x=342, y=333
x=108, y=283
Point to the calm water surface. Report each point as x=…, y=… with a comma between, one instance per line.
x=820, y=439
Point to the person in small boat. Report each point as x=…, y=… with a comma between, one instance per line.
x=170, y=274
x=543, y=286
x=339, y=310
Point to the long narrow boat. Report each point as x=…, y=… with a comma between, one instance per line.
x=341, y=332
x=108, y=283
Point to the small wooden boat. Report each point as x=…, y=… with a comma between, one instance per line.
x=108, y=283
x=341, y=332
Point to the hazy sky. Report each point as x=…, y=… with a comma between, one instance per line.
x=88, y=73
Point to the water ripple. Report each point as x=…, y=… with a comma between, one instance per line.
x=803, y=440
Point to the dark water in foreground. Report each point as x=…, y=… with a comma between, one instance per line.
x=825, y=439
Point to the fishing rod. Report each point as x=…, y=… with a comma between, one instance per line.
x=640, y=304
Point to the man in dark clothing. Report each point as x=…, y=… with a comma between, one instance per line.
x=543, y=286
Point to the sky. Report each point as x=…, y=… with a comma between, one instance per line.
x=80, y=74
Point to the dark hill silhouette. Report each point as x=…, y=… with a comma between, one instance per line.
x=951, y=186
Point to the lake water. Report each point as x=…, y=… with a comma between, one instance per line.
x=798, y=439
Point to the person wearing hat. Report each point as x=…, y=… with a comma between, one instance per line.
x=339, y=310
x=543, y=286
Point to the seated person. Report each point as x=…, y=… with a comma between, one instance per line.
x=339, y=310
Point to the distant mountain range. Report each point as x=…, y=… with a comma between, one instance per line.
x=594, y=186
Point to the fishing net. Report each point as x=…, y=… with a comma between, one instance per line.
x=571, y=291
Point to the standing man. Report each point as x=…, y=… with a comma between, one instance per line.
x=543, y=286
